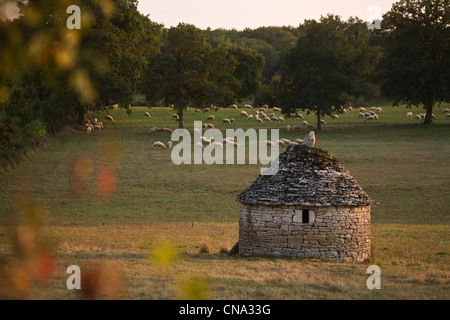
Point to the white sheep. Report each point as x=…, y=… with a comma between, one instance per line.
x=446, y=110
x=109, y=118
x=234, y=106
x=305, y=123
x=448, y=115
x=226, y=121
x=293, y=144
x=89, y=128
x=230, y=141
x=249, y=117
x=147, y=114
x=335, y=117
x=418, y=116
x=362, y=109
x=350, y=109
x=217, y=144
x=299, y=141
x=158, y=144
x=208, y=125
x=281, y=119
x=274, y=118
x=379, y=109
x=248, y=106
x=169, y=145
x=297, y=128
x=244, y=114
x=323, y=122
x=199, y=145
x=208, y=141
x=276, y=109
x=288, y=128
x=270, y=143
x=232, y=120
x=267, y=119
x=280, y=143
x=409, y=114
x=210, y=118
x=285, y=141
x=259, y=120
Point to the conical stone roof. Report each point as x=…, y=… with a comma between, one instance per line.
x=308, y=177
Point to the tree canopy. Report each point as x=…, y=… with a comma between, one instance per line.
x=313, y=75
x=416, y=63
x=51, y=73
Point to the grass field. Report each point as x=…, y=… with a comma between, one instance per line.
x=147, y=237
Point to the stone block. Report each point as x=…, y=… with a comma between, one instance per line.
x=295, y=242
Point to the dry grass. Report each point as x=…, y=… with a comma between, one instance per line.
x=409, y=270
x=148, y=236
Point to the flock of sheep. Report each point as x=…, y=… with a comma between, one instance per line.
x=260, y=116
x=96, y=125
x=421, y=116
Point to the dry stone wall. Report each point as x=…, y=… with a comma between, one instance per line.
x=339, y=233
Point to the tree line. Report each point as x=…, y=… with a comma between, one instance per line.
x=53, y=74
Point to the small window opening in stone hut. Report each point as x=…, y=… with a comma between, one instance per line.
x=305, y=216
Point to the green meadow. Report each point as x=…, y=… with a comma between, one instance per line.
x=156, y=230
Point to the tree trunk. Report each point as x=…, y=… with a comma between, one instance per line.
x=319, y=124
x=180, y=118
x=81, y=111
x=429, y=114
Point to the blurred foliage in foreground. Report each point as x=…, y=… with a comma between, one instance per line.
x=52, y=73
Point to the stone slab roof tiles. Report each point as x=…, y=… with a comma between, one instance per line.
x=308, y=177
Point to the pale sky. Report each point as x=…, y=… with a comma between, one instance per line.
x=241, y=14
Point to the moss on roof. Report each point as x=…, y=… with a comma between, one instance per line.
x=306, y=176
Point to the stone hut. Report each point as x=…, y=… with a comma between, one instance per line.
x=310, y=208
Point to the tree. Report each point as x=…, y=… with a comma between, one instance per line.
x=222, y=87
x=182, y=63
x=361, y=59
x=312, y=76
x=416, y=64
x=248, y=71
x=59, y=73
x=115, y=48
